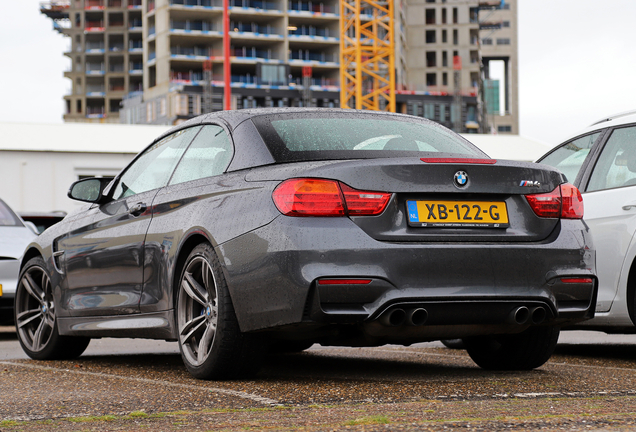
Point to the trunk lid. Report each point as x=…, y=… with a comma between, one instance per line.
x=412, y=180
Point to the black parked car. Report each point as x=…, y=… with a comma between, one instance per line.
x=239, y=231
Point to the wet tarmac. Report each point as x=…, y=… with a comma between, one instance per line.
x=592, y=377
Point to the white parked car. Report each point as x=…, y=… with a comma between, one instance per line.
x=601, y=162
x=14, y=237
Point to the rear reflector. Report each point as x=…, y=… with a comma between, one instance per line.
x=460, y=160
x=564, y=201
x=320, y=197
x=577, y=280
x=344, y=281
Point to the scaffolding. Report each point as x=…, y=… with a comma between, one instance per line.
x=367, y=55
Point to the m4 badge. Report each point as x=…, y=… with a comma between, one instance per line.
x=529, y=183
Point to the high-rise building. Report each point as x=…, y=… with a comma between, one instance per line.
x=159, y=61
x=106, y=53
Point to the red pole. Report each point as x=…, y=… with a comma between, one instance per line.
x=227, y=91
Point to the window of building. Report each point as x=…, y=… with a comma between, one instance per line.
x=444, y=59
x=504, y=128
x=431, y=79
x=486, y=41
x=444, y=16
x=429, y=111
x=455, y=16
x=430, y=16
x=506, y=6
x=431, y=36
x=503, y=41
x=505, y=24
x=444, y=36
x=455, y=37
x=442, y=112
x=431, y=59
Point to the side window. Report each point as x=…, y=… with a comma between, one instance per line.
x=208, y=155
x=616, y=167
x=570, y=157
x=153, y=168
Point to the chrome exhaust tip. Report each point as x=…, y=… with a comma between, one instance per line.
x=417, y=317
x=393, y=318
x=520, y=315
x=538, y=315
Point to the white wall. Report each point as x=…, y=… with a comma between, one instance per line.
x=39, y=180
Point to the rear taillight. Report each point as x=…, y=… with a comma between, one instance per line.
x=319, y=197
x=565, y=202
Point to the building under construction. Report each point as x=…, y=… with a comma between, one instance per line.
x=161, y=61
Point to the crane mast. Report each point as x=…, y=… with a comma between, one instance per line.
x=367, y=55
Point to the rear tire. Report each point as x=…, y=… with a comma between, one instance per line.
x=211, y=343
x=453, y=343
x=523, y=351
x=36, y=318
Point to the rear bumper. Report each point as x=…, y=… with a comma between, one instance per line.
x=272, y=276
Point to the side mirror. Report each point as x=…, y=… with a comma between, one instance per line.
x=88, y=190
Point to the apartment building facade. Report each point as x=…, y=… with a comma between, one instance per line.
x=144, y=61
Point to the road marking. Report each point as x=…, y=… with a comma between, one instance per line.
x=240, y=394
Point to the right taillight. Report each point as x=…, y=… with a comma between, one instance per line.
x=565, y=201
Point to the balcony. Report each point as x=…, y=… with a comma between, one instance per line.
x=135, y=46
x=190, y=52
x=95, y=112
x=252, y=53
x=192, y=26
x=197, y=3
x=311, y=32
x=95, y=69
x=116, y=47
x=136, y=68
x=95, y=91
x=116, y=67
x=95, y=48
x=93, y=4
x=190, y=76
x=254, y=4
x=134, y=4
x=315, y=56
x=94, y=26
x=255, y=29
x=135, y=24
x=311, y=7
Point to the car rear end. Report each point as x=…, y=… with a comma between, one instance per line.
x=390, y=244
x=14, y=237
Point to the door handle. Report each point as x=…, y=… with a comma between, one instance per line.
x=629, y=205
x=137, y=209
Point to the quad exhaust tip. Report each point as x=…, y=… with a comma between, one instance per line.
x=523, y=315
x=398, y=317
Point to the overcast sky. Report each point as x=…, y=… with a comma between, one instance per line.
x=577, y=64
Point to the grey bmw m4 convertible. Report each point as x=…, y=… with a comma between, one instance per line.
x=240, y=232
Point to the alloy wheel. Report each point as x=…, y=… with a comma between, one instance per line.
x=198, y=311
x=35, y=309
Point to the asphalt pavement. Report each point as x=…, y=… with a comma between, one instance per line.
x=122, y=384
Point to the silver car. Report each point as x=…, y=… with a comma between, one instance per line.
x=14, y=237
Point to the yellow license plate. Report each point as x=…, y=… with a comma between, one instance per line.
x=462, y=214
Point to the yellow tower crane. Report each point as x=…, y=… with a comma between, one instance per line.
x=367, y=55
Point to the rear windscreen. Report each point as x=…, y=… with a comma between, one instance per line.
x=316, y=136
x=7, y=217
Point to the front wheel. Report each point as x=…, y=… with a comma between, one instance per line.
x=36, y=319
x=211, y=343
x=522, y=351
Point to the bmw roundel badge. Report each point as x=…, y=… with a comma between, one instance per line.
x=461, y=178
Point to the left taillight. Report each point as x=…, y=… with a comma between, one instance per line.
x=321, y=197
x=565, y=201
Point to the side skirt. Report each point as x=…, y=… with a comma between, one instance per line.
x=156, y=325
